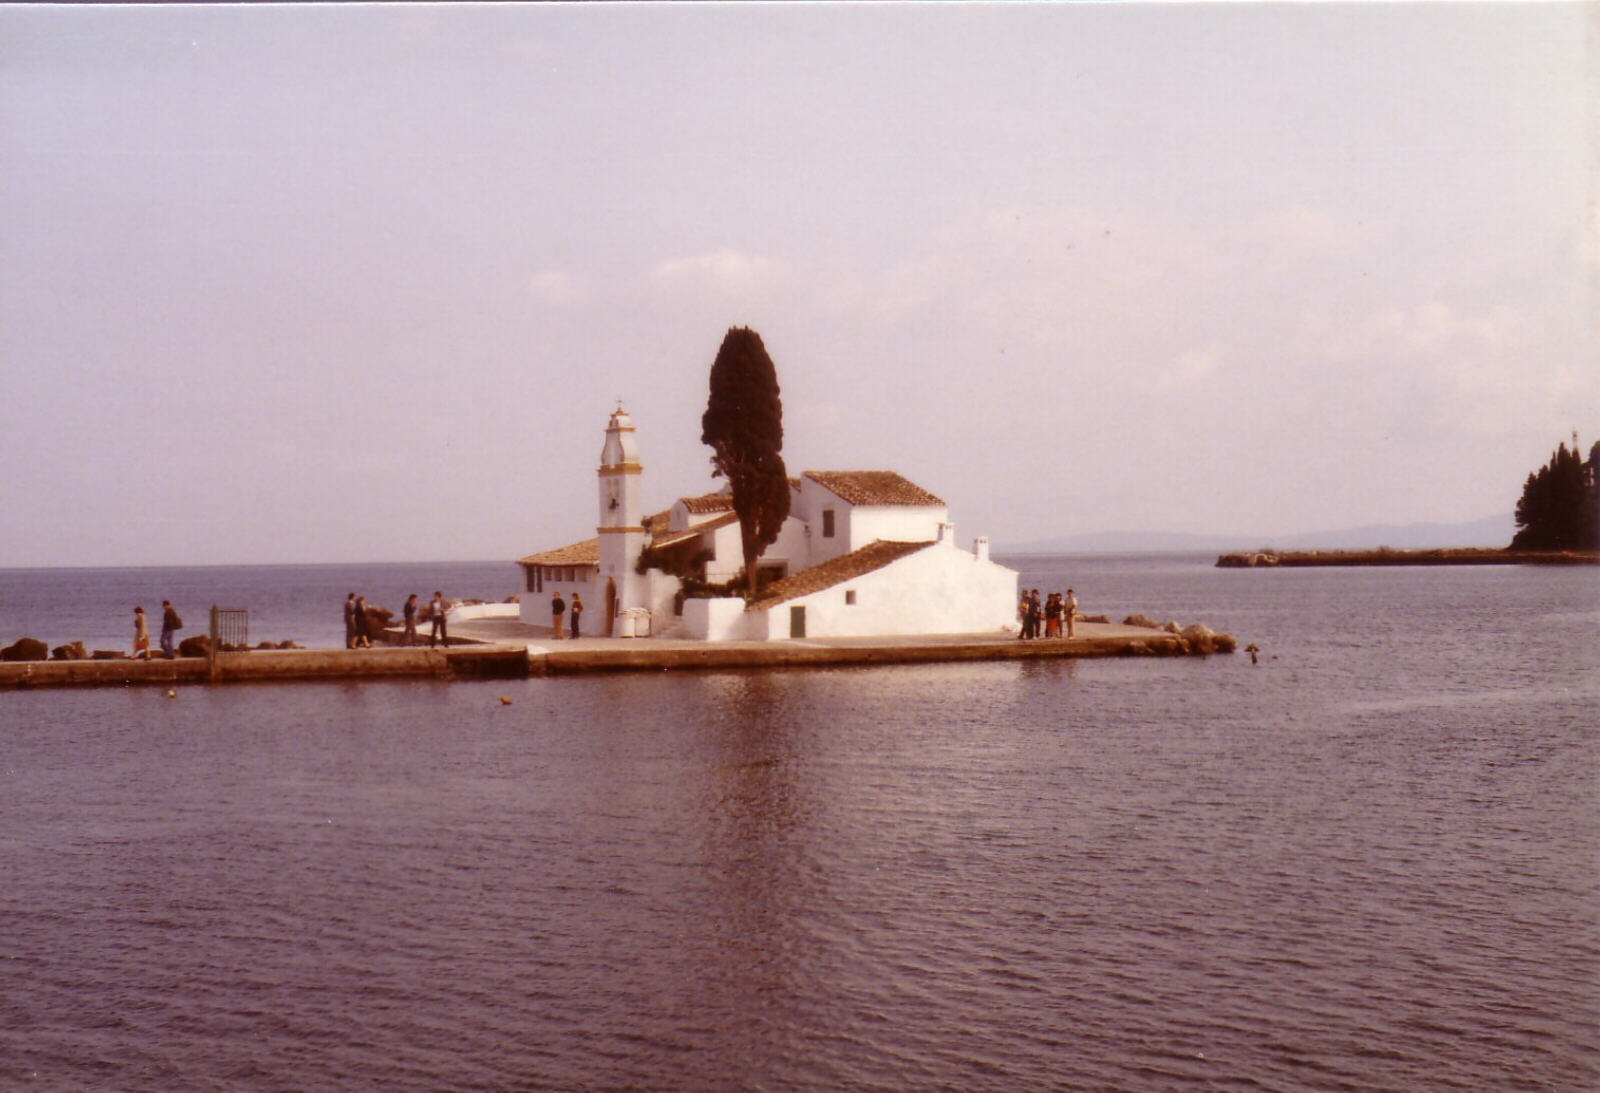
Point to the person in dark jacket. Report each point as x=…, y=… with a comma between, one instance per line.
x=170, y=625
x=410, y=637
x=350, y=621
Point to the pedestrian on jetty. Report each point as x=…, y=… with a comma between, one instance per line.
x=577, y=609
x=363, y=624
x=558, y=607
x=170, y=625
x=1035, y=614
x=410, y=636
x=141, y=635
x=1069, y=611
x=350, y=621
x=1025, y=613
x=439, y=632
x=1052, y=615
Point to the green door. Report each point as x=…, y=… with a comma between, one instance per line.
x=797, y=621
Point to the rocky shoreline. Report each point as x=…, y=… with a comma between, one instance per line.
x=1281, y=559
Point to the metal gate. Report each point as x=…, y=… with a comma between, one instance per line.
x=230, y=626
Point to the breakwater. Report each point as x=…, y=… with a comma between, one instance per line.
x=1276, y=559
x=513, y=660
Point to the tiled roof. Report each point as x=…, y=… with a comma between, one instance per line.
x=657, y=522
x=873, y=488
x=666, y=539
x=584, y=553
x=708, y=502
x=846, y=567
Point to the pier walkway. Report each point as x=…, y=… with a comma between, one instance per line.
x=507, y=649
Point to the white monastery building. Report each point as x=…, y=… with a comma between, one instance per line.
x=862, y=553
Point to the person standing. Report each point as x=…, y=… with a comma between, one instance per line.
x=1035, y=614
x=439, y=632
x=1052, y=615
x=170, y=625
x=350, y=621
x=1026, y=616
x=577, y=609
x=1069, y=611
x=141, y=635
x=558, y=607
x=410, y=636
x=363, y=624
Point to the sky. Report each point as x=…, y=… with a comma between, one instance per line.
x=344, y=283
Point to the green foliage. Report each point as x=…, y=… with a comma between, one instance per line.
x=743, y=424
x=1560, y=504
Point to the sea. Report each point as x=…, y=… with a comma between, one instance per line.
x=1367, y=860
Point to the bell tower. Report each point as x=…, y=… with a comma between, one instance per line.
x=621, y=524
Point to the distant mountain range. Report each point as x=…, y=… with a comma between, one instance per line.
x=1491, y=531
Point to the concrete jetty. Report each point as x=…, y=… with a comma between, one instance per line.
x=506, y=649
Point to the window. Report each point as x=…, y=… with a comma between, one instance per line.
x=850, y=597
x=827, y=523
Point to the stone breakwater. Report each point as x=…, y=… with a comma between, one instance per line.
x=519, y=659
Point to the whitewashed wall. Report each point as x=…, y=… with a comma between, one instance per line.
x=535, y=608
x=720, y=619
x=938, y=590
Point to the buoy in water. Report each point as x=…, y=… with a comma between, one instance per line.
x=172, y=694
x=505, y=700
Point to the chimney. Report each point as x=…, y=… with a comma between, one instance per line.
x=980, y=547
x=947, y=533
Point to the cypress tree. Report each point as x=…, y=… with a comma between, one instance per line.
x=1560, y=504
x=743, y=424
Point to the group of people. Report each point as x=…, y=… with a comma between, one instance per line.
x=358, y=626
x=170, y=625
x=558, y=608
x=1056, y=609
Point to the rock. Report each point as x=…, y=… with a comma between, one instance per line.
x=1173, y=628
x=1093, y=618
x=1140, y=620
x=108, y=654
x=73, y=650
x=197, y=646
x=26, y=649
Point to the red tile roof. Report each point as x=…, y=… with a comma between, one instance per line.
x=584, y=553
x=708, y=502
x=873, y=488
x=846, y=567
x=664, y=538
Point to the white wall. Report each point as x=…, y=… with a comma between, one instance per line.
x=938, y=590
x=719, y=619
x=535, y=609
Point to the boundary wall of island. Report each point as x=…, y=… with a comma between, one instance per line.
x=508, y=661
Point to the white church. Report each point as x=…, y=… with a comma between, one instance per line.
x=862, y=553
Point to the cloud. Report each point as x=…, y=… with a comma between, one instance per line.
x=721, y=271
x=558, y=289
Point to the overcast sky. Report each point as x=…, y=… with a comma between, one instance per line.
x=362, y=283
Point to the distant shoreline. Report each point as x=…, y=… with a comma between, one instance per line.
x=1278, y=559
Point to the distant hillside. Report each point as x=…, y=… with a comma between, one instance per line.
x=1491, y=531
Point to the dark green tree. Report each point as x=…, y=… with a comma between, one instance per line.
x=743, y=424
x=1560, y=504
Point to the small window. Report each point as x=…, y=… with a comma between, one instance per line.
x=827, y=523
x=850, y=597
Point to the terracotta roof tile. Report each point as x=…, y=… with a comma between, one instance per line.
x=846, y=567
x=584, y=553
x=873, y=488
x=665, y=538
x=708, y=502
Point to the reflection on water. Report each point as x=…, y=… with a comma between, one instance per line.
x=1366, y=864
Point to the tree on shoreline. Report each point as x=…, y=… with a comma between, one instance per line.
x=1560, y=504
x=743, y=424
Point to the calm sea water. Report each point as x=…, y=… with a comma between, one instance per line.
x=1369, y=862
